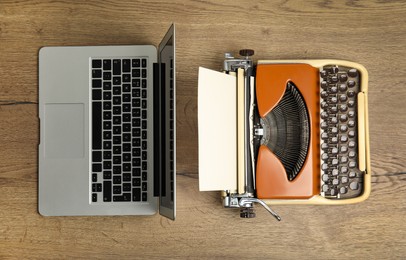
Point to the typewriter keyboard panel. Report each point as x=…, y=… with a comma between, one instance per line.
x=340, y=175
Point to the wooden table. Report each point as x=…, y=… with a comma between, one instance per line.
x=369, y=32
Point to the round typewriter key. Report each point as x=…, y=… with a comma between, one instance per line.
x=333, y=109
x=324, y=188
x=354, y=185
x=351, y=113
x=351, y=154
x=324, y=115
x=334, y=162
x=352, y=73
x=342, y=87
x=343, y=149
x=351, y=123
x=343, y=190
x=324, y=177
x=333, y=120
x=335, y=182
x=324, y=156
x=343, y=128
x=343, y=107
x=324, y=146
x=351, y=93
x=352, y=164
x=334, y=130
x=324, y=94
x=343, y=138
x=344, y=159
x=334, y=69
x=334, y=150
x=333, y=89
x=343, y=169
x=352, y=174
x=334, y=79
x=343, y=117
x=324, y=105
x=351, y=144
x=324, y=84
x=334, y=140
x=344, y=179
x=323, y=74
x=351, y=133
x=323, y=125
x=332, y=192
x=324, y=166
x=334, y=172
x=351, y=103
x=343, y=97
x=324, y=136
x=351, y=83
x=343, y=77
x=333, y=100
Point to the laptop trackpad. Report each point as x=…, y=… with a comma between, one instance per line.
x=64, y=130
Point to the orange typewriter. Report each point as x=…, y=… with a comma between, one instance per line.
x=284, y=132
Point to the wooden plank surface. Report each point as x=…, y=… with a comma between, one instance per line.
x=368, y=32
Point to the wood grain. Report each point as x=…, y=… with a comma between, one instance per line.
x=369, y=32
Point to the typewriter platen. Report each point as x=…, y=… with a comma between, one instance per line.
x=301, y=132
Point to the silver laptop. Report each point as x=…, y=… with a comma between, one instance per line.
x=108, y=130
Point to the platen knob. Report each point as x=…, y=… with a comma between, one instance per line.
x=246, y=52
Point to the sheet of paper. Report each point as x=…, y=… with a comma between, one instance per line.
x=217, y=122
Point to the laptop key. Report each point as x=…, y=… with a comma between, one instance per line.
x=96, y=94
x=96, y=73
x=144, y=63
x=126, y=196
x=116, y=179
x=94, y=197
x=96, y=83
x=116, y=189
x=136, y=62
x=106, y=191
x=144, y=186
x=116, y=80
x=126, y=65
x=126, y=176
x=136, y=194
x=136, y=181
x=144, y=196
x=116, y=67
x=127, y=186
x=96, y=64
x=107, y=175
x=97, y=156
x=96, y=167
x=106, y=75
x=98, y=187
x=106, y=64
x=94, y=177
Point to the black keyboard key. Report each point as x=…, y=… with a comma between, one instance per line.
x=116, y=110
x=136, y=152
x=136, y=73
x=126, y=167
x=144, y=63
x=136, y=93
x=126, y=78
x=116, y=67
x=96, y=64
x=107, y=145
x=144, y=103
x=127, y=137
x=144, y=114
x=136, y=112
x=126, y=107
x=136, y=194
x=96, y=94
x=106, y=191
x=116, y=129
x=116, y=80
x=126, y=117
x=126, y=127
x=144, y=186
x=116, y=189
x=106, y=105
x=96, y=167
x=126, y=196
x=107, y=165
x=144, y=75
x=144, y=135
x=107, y=115
x=94, y=197
x=117, y=91
x=106, y=125
x=107, y=175
x=144, y=176
x=126, y=98
x=117, y=150
x=126, y=88
x=106, y=64
x=144, y=93
x=96, y=74
x=126, y=147
x=136, y=102
x=136, y=182
x=144, y=196
x=94, y=187
x=117, y=159
x=106, y=75
x=126, y=176
x=136, y=141
x=107, y=155
x=144, y=155
x=136, y=83
x=136, y=132
x=126, y=65
x=144, y=166
x=136, y=62
x=98, y=187
x=96, y=83
x=126, y=157
x=116, y=139
x=136, y=162
x=96, y=156
x=144, y=124
x=136, y=122
x=126, y=186
x=94, y=177
x=106, y=85
x=106, y=95
x=116, y=100
x=116, y=179
x=136, y=172
x=116, y=169
x=117, y=120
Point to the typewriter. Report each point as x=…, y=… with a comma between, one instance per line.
x=284, y=132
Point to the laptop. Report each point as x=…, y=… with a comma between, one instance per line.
x=108, y=130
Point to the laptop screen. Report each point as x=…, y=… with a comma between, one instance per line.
x=167, y=118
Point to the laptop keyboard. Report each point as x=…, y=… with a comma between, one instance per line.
x=119, y=130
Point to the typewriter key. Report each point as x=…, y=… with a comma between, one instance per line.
x=351, y=154
x=333, y=192
x=335, y=182
x=351, y=93
x=343, y=107
x=352, y=164
x=343, y=97
x=324, y=84
x=343, y=77
x=334, y=140
x=334, y=150
x=354, y=185
x=324, y=166
x=324, y=105
x=352, y=73
x=324, y=115
x=343, y=149
x=324, y=188
x=343, y=190
x=333, y=100
x=343, y=128
x=351, y=123
x=351, y=144
x=333, y=120
x=324, y=156
x=342, y=87
x=352, y=174
x=343, y=117
x=343, y=138
x=323, y=125
x=351, y=83
x=351, y=103
x=334, y=162
x=334, y=130
x=333, y=109
x=324, y=146
x=324, y=136
x=324, y=94
x=343, y=169
x=334, y=79
x=334, y=172
x=324, y=177
x=333, y=89
x=344, y=159
x=344, y=180
x=334, y=69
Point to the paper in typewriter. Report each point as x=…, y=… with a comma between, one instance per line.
x=217, y=95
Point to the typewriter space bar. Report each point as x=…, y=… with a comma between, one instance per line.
x=361, y=131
